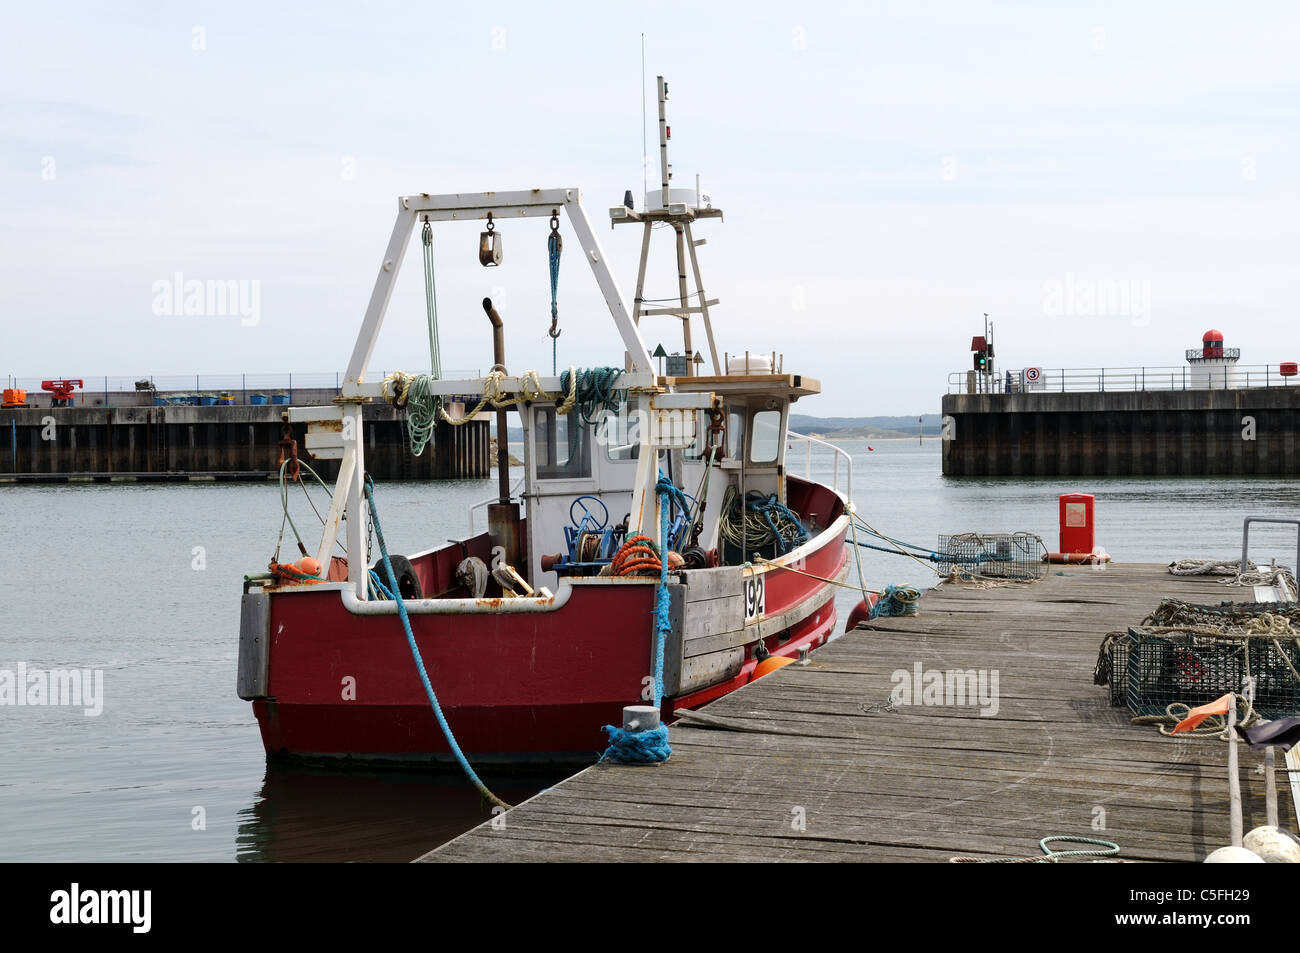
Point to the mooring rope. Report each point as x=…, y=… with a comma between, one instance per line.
x=396, y=593
x=650, y=746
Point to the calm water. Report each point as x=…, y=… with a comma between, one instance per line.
x=107, y=577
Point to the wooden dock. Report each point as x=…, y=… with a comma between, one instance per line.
x=807, y=767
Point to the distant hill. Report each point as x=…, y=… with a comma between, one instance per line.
x=877, y=427
x=844, y=428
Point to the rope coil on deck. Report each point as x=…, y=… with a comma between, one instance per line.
x=1107, y=849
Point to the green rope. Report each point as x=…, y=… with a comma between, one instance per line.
x=431, y=302
x=422, y=409
x=595, y=392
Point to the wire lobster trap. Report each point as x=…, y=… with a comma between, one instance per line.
x=1195, y=664
x=1015, y=556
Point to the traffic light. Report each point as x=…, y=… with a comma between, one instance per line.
x=981, y=361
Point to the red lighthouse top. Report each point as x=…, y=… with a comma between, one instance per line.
x=1212, y=335
x=1212, y=344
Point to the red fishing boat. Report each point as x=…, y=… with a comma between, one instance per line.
x=537, y=632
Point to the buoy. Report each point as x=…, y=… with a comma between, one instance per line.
x=1096, y=557
x=1273, y=845
x=862, y=611
x=870, y=447
x=770, y=665
x=1234, y=855
x=308, y=566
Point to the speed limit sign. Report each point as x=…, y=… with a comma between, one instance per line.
x=1033, y=375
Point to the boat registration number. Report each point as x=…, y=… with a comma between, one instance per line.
x=755, y=595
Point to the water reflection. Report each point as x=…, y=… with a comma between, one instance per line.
x=306, y=813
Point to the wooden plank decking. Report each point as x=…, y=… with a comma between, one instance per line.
x=923, y=783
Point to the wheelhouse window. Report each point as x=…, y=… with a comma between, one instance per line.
x=561, y=445
x=736, y=433
x=765, y=444
x=621, y=433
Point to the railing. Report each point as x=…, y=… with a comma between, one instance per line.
x=1245, y=539
x=836, y=455
x=234, y=388
x=1099, y=379
x=1213, y=353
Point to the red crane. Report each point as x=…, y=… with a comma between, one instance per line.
x=61, y=391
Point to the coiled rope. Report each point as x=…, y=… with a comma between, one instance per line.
x=1215, y=727
x=765, y=522
x=1108, y=849
x=897, y=601
x=591, y=391
x=1207, y=567
x=415, y=653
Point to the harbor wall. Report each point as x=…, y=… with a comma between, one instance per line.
x=222, y=442
x=1235, y=432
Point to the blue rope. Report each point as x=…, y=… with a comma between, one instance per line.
x=765, y=509
x=650, y=747
x=419, y=661
x=896, y=601
x=941, y=557
x=553, y=248
x=377, y=588
x=637, y=747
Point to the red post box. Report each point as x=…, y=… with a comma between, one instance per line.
x=1077, y=530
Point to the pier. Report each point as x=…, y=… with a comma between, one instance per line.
x=807, y=764
x=1225, y=432
x=231, y=442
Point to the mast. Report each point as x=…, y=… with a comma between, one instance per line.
x=680, y=215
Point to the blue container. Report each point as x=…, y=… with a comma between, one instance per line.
x=206, y=401
x=257, y=399
x=279, y=398
x=159, y=402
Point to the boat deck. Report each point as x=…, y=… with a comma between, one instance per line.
x=922, y=783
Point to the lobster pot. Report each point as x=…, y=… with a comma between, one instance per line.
x=1195, y=669
x=997, y=555
x=1118, y=651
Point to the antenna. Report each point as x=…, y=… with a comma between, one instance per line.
x=645, y=158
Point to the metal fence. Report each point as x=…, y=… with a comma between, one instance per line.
x=204, y=388
x=1095, y=379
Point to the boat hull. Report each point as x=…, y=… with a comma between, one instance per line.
x=519, y=681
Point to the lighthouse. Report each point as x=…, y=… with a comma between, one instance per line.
x=1213, y=365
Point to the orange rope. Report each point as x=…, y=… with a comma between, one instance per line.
x=637, y=556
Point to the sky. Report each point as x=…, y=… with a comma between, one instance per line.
x=1106, y=181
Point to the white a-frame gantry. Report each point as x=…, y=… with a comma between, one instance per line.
x=356, y=390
